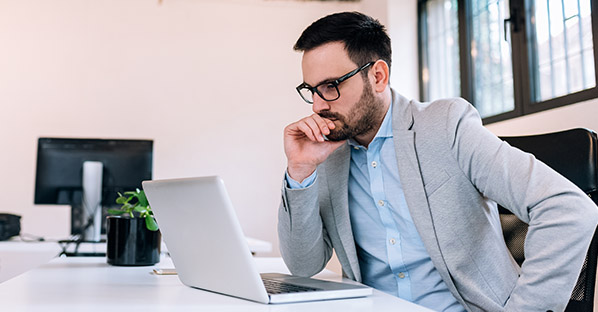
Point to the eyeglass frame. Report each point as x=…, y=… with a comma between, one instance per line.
x=335, y=83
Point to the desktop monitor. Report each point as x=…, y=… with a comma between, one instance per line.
x=87, y=174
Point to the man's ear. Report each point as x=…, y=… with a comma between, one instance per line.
x=381, y=72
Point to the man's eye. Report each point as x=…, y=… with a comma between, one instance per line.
x=327, y=88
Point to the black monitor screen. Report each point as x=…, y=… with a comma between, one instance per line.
x=60, y=168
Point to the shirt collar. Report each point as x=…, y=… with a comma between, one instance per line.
x=385, y=130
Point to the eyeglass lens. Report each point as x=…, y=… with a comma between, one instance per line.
x=327, y=91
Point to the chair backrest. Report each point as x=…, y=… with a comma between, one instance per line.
x=574, y=154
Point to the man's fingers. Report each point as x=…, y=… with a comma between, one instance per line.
x=331, y=124
x=315, y=127
x=323, y=124
x=307, y=130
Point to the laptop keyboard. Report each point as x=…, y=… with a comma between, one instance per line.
x=278, y=287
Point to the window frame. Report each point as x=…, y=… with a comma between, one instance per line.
x=523, y=85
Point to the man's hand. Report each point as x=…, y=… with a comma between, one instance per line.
x=305, y=146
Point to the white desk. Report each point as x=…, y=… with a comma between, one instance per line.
x=17, y=257
x=89, y=284
x=256, y=246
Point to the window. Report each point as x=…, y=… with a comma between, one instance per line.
x=491, y=58
x=561, y=41
x=508, y=57
x=441, y=33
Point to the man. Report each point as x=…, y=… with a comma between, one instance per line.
x=406, y=192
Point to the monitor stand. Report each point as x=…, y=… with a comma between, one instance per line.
x=91, y=212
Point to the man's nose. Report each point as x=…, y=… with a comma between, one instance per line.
x=319, y=104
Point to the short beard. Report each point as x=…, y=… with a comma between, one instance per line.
x=361, y=119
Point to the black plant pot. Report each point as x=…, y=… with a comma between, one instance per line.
x=130, y=243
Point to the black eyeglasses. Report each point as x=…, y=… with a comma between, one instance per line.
x=327, y=90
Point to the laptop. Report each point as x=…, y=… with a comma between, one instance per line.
x=209, y=251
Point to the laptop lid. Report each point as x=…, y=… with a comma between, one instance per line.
x=204, y=238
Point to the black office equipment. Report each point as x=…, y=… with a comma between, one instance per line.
x=121, y=166
x=574, y=154
x=10, y=225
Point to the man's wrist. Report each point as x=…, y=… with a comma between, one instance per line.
x=300, y=172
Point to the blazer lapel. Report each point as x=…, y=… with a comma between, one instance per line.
x=413, y=186
x=337, y=175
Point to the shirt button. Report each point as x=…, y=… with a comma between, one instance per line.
x=401, y=275
x=374, y=164
x=356, y=147
x=381, y=202
x=393, y=241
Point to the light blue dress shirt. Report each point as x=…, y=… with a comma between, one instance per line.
x=392, y=256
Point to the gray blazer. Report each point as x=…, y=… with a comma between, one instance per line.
x=454, y=171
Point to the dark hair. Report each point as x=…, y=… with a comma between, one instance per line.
x=365, y=38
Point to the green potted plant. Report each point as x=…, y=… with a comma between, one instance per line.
x=133, y=238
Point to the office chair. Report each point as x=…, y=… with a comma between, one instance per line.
x=574, y=154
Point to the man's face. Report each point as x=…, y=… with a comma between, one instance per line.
x=357, y=110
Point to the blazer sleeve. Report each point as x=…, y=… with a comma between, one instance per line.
x=304, y=243
x=561, y=218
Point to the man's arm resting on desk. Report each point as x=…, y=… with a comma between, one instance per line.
x=304, y=243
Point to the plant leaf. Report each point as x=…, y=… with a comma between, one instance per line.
x=116, y=211
x=151, y=224
x=142, y=199
x=127, y=207
x=140, y=209
x=121, y=200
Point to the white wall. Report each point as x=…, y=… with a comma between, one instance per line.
x=210, y=81
x=579, y=115
x=402, y=27
x=400, y=19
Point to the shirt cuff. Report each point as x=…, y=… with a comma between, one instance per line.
x=307, y=182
